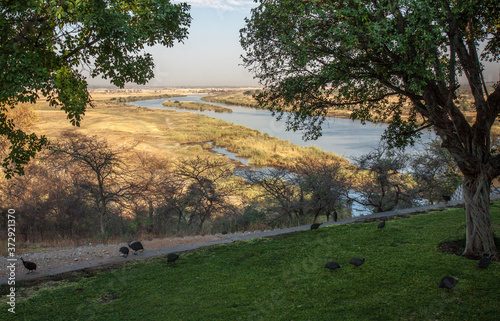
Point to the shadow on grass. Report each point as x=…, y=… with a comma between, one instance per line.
x=457, y=247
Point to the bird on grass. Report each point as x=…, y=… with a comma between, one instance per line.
x=381, y=224
x=315, y=226
x=332, y=265
x=136, y=247
x=124, y=251
x=335, y=215
x=357, y=261
x=172, y=257
x=29, y=265
x=484, y=262
x=447, y=282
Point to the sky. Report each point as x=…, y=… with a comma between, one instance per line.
x=211, y=56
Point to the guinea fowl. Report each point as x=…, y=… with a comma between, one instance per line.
x=172, y=257
x=124, y=251
x=332, y=265
x=136, y=247
x=29, y=265
x=381, y=224
x=484, y=262
x=447, y=282
x=357, y=261
x=315, y=226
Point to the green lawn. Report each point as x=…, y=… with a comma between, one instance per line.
x=285, y=279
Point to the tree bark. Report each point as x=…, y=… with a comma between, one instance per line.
x=479, y=233
x=101, y=223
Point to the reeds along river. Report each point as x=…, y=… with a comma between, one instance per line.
x=344, y=137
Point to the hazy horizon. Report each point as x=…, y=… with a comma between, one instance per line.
x=211, y=56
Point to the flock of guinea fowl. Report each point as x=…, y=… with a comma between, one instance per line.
x=447, y=282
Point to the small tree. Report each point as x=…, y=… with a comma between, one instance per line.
x=325, y=185
x=32, y=197
x=158, y=192
x=312, y=188
x=281, y=189
x=385, y=185
x=435, y=172
x=208, y=188
x=99, y=168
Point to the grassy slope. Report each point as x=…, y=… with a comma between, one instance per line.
x=284, y=279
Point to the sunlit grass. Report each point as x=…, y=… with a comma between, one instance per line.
x=285, y=279
x=190, y=105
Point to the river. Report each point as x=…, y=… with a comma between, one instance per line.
x=344, y=137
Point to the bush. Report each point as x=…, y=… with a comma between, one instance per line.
x=250, y=216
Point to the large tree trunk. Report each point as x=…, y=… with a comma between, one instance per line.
x=479, y=234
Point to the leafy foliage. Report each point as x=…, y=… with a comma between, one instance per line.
x=45, y=46
x=373, y=57
x=378, y=58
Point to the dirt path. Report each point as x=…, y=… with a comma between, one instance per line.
x=68, y=257
x=60, y=261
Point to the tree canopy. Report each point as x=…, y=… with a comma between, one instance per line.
x=47, y=45
x=378, y=57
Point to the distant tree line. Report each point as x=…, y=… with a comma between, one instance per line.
x=83, y=187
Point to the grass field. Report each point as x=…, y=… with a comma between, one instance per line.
x=169, y=133
x=284, y=279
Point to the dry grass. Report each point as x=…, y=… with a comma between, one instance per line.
x=120, y=124
x=243, y=97
x=168, y=133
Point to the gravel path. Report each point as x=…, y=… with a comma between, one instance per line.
x=69, y=259
x=74, y=256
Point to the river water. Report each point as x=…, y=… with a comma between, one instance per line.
x=344, y=137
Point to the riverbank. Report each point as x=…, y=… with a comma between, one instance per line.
x=173, y=134
x=343, y=137
x=243, y=97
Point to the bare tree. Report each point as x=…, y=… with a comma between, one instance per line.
x=435, y=172
x=325, y=183
x=313, y=188
x=208, y=189
x=281, y=189
x=101, y=171
x=158, y=193
x=32, y=197
x=383, y=185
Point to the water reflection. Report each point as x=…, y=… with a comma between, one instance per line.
x=344, y=137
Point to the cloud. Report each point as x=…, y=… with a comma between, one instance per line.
x=221, y=4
